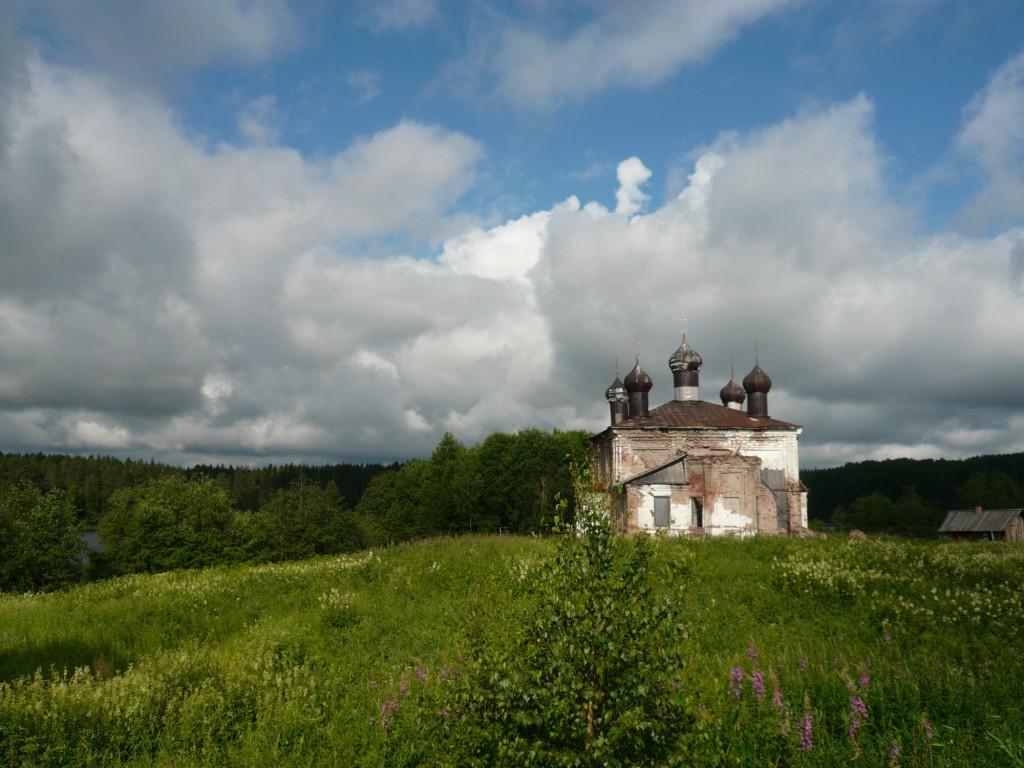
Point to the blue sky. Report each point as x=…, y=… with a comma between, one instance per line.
x=251, y=231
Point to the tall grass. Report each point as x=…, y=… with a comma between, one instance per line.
x=798, y=652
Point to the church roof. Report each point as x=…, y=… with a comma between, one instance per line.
x=698, y=414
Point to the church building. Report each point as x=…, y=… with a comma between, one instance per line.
x=691, y=467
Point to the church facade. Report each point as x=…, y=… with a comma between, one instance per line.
x=691, y=467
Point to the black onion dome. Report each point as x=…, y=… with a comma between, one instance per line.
x=616, y=392
x=732, y=393
x=757, y=380
x=637, y=380
x=685, y=359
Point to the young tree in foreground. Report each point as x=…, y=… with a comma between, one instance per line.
x=595, y=675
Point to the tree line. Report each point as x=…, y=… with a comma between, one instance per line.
x=88, y=482
x=153, y=517
x=912, y=496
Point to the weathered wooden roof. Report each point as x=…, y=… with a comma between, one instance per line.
x=698, y=414
x=972, y=521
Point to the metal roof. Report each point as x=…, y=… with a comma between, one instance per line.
x=971, y=521
x=698, y=414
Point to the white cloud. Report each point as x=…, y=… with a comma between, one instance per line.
x=632, y=174
x=161, y=296
x=366, y=84
x=259, y=121
x=993, y=136
x=618, y=47
x=504, y=252
x=397, y=15
x=142, y=40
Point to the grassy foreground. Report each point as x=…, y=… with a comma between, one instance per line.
x=798, y=653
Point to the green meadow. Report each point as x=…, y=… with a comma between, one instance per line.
x=793, y=652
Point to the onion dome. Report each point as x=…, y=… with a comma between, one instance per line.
x=732, y=393
x=616, y=393
x=685, y=358
x=757, y=381
x=637, y=380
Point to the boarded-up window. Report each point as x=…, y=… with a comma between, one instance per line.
x=662, y=506
x=776, y=480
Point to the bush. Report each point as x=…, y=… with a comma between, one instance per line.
x=595, y=676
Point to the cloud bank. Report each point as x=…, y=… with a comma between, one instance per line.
x=165, y=296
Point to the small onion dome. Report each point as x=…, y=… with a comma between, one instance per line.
x=757, y=381
x=685, y=359
x=637, y=380
x=616, y=393
x=732, y=393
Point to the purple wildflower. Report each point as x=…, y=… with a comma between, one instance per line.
x=751, y=653
x=387, y=714
x=865, y=678
x=757, y=681
x=803, y=664
x=887, y=637
x=858, y=714
x=736, y=682
x=806, y=728
x=403, y=687
x=777, y=699
x=894, y=753
x=928, y=735
x=421, y=672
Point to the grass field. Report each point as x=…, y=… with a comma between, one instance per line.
x=798, y=652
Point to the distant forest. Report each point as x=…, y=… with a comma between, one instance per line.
x=90, y=481
x=912, y=495
x=155, y=517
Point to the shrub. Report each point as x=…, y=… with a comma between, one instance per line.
x=595, y=676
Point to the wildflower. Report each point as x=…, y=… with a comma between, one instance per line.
x=421, y=673
x=894, y=753
x=777, y=699
x=803, y=664
x=806, y=728
x=387, y=714
x=864, y=679
x=887, y=637
x=736, y=681
x=752, y=653
x=403, y=687
x=928, y=735
x=858, y=714
x=757, y=681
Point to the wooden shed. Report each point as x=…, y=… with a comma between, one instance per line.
x=984, y=524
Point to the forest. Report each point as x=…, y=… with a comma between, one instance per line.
x=153, y=517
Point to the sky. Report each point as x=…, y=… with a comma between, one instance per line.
x=259, y=231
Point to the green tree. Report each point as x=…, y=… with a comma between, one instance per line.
x=595, y=674
x=991, y=490
x=168, y=523
x=303, y=520
x=391, y=509
x=40, y=543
